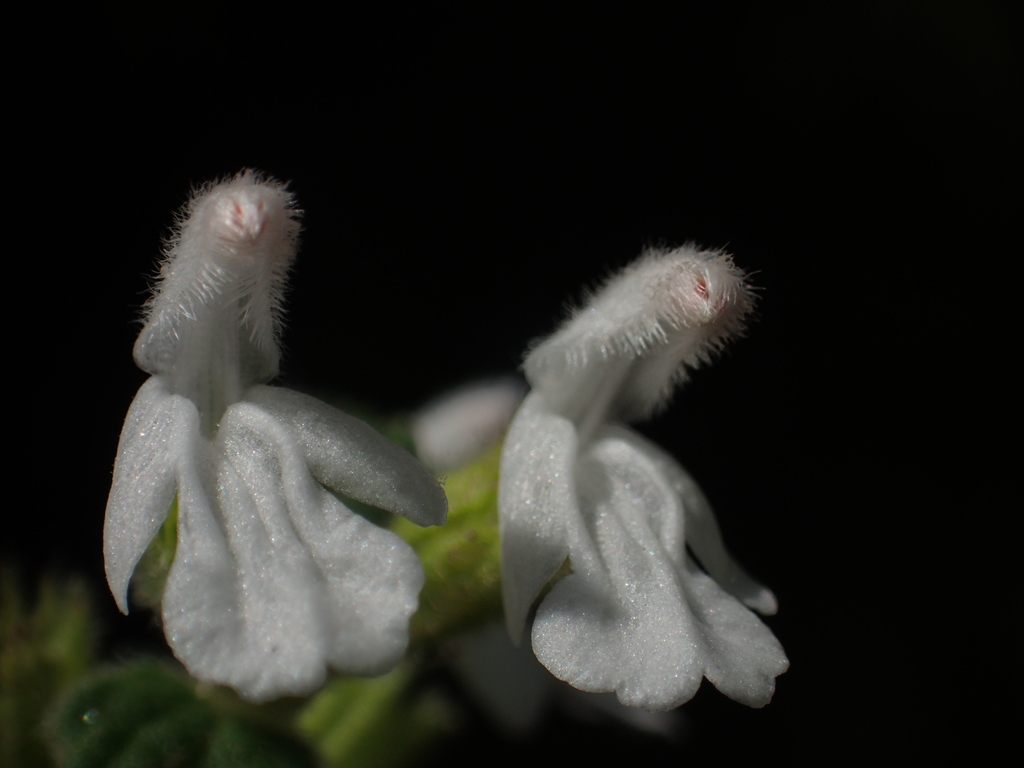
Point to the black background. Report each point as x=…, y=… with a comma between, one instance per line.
x=465, y=174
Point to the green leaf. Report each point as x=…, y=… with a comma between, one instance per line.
x=374, y=723
x=43, y=650
x=461, y=559
x=145, y=715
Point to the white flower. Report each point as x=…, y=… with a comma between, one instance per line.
x=274, y=579
x=636, y=615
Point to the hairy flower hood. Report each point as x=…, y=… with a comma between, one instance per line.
x=636, y=615
x=274, y=579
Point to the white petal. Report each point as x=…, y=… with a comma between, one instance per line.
x=740, y=654
x=536, y=496
x=635, y=618
x=461, y=424
x=298, y=584
x=202, y=612
x=156, y=433
x=703, y=535
x=350, y=457
x=619, y=622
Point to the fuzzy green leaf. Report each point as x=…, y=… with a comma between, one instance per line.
x=144, y=715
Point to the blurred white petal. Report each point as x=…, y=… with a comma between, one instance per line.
x=452, y=429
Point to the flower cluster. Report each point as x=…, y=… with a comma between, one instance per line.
x=636, y=615
x=274, y=579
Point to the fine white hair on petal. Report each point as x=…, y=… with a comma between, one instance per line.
x=231, y=248
x=459, y=425
x=669, y=310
